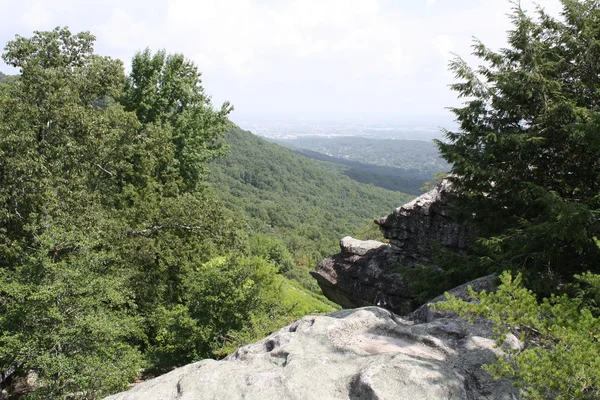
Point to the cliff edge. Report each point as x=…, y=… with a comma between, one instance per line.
x=360, y=354
x=368, y=272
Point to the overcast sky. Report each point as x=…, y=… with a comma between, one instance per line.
x=313, y=59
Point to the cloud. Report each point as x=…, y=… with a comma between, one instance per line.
x=306, y=55
x=351, y=49
x=243, y=34
x=36, y=17
x=123, y=29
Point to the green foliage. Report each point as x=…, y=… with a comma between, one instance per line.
x=526, y=159
x=7, y=79
x=399, y=165
x=104, y=220
x=296, y=302
x=559, y=356
x=166, y=90
x=438, y=177
x=63, y=313
x=370, y=231
x=299, y=301
x=526, y=170
x=303, y=203
x=222, y=296
x=272, y=249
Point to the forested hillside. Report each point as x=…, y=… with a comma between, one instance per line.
x=400, y=165
x=117, y=259
x=309, y=205
x=408, y=181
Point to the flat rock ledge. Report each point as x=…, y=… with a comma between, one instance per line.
x=360, y=354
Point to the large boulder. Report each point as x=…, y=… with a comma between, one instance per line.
x=368, y=272
x=361, y=354
x=363, y=274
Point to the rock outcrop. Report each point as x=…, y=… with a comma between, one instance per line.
x=426, y=313
x=366, y=272
x=360, y=354
x=413, y=228
x=363, y=274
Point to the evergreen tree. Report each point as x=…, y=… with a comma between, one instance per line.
x=526, y=160
x=559, y=352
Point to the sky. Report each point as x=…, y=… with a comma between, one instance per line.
x=297, y=59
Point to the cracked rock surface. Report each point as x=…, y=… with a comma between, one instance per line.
x=360, y=354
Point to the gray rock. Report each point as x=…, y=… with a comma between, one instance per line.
x=363, y=274
x=413, y=228
x=361, y=354
x=426, y=313
x=350, y=245
x=367, y=272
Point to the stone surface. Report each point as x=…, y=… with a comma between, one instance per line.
x=426, y=313
x=362, y=274
x=413, y=228
x=350, y=245
x=366, y=272
x=360, y=354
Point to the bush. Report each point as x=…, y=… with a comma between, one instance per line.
x=560, y=353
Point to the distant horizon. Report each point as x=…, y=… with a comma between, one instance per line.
x=282, y=127
x=367, y=119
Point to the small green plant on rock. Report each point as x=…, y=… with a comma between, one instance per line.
x=560, y=353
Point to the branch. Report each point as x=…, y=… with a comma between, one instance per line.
x=150, y=231
x=105, y=170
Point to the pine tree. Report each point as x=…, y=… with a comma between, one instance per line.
x=526, y=159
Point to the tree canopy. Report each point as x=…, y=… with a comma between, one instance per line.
x=526, y=160
x=114, y=257
x=526, y=171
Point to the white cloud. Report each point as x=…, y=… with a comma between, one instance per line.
x=36, y=17
x=122, y=30
x=289, y=53
x=355, y=45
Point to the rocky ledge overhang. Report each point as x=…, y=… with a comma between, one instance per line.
x=367, y=272
x=360, y=354
x=363, y=274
